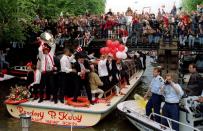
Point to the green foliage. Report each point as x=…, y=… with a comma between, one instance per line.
x=17, y=15
x=191, y=5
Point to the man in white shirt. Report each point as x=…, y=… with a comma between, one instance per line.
x=65, y=75
x=103, y=72
x=47, y=66
x=129, y=23
x=172, y=93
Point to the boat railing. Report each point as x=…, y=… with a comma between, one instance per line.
x=131, y=72
x=169, y=121
x=128, y=110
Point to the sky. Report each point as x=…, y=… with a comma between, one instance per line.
x=122, y=5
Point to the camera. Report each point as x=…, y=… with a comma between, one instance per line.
x=166, y=82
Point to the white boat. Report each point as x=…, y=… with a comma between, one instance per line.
x=6, y=77
x=134, y=110
x=18, y=71
x=66, y=115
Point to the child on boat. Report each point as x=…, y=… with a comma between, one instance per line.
x=95, y=81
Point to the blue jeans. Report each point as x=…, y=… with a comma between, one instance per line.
x=201, y=40
x=191, y=40
x=171, y=111
x=156, y=39
x=154, y=103
x=182, y=39
x=150, y=39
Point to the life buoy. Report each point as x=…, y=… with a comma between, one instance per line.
x=81, y=102
x=15, y=102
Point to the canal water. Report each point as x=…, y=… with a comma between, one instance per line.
x=113, y=122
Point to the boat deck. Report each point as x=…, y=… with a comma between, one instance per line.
x=97, y=107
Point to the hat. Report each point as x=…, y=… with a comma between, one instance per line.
x=29, y=64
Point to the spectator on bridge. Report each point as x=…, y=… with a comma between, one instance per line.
x=109, y=12
x=191, y=37
x=129, y=20
x=174, y=10
x=201, y=31
x=157, y=36
x=182, y=34
x=124, y=35
x=148, y=31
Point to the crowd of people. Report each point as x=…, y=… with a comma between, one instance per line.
x=75, y=73
x=130, y=26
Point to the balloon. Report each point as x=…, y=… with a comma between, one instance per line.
x=121, y=47
x=116, y=43
x=126, y=49
x=113, y=51
x=109, y=43
x=102, y=50
x=119, y=55
x=124, y=55
x=106, y=50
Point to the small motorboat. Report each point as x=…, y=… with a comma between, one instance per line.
x=4, y=76
x=134, y=110
x=19, y=71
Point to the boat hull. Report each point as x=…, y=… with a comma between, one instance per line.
x=137, y=117
x=56, y=117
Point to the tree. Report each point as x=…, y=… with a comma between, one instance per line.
x=17, y=15
x=190, y=5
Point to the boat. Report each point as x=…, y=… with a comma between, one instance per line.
x=134, y=111
x=69, y=116
x=6, y=77
x=19, y=71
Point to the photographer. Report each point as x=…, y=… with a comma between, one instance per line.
x=172, y=93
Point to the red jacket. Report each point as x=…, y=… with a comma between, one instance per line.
x=123, y=33
x=109, y=24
